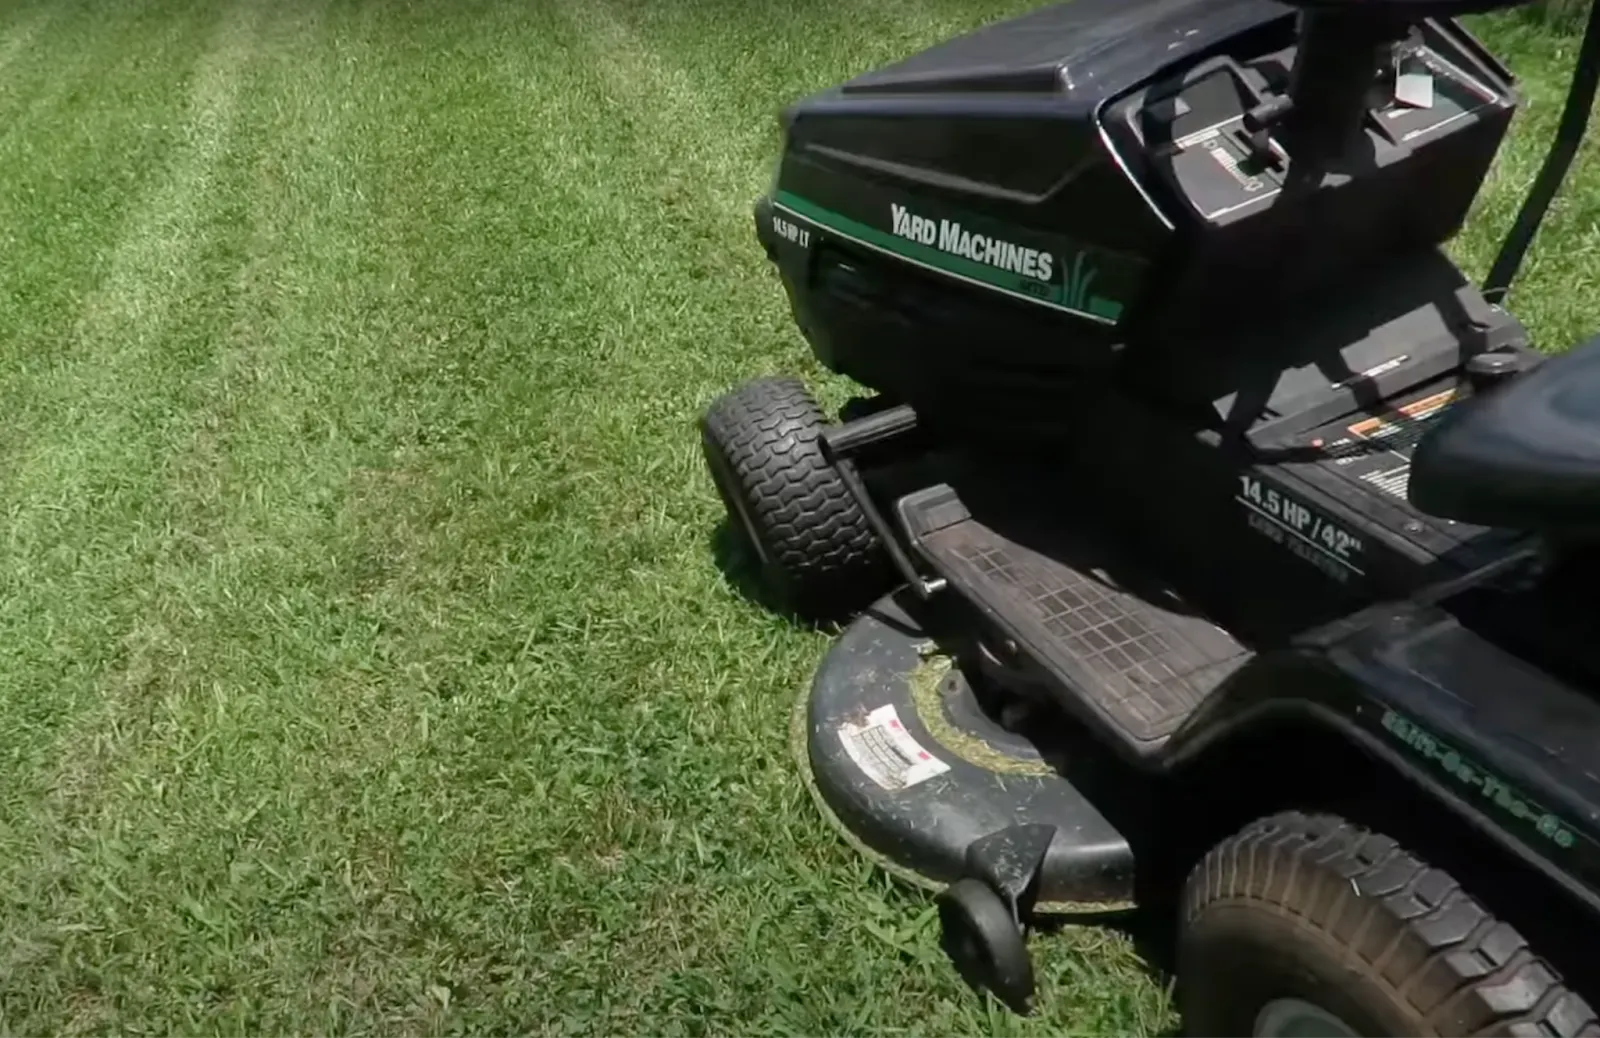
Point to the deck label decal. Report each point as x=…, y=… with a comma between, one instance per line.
x=890, y=755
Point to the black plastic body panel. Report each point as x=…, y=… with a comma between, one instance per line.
x=1480, y=733
x=954, y=351
x=1411, y=185
x=1300, y=534
x=1498, y=741
x=1356, y=478
x=1286, y=370
x=1307, y=506
x=972, y=224
x=1087, y=52
x=1003, y=125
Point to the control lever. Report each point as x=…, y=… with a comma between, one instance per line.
x=1343, y=52
x=1258, y=125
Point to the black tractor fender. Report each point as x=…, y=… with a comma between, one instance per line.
x=1378, y=722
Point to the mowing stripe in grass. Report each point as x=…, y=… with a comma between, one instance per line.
x=724, y=79
x=105, y=413
x=188, y=833
x=66, y=585
x=17, y=83
x=129, y=308
x=18, y=37
x=102, y=442
x=73, y=161
x=122, y=338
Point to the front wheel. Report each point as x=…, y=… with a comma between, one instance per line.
x=985, y=943
x=789, y=508
x=1305, y=925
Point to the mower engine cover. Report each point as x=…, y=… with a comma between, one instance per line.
x=1009, y=210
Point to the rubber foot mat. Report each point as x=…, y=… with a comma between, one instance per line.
x=1139, y=667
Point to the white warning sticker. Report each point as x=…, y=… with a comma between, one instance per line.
x=888, y=753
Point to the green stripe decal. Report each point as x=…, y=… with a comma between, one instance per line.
x=1079, y=272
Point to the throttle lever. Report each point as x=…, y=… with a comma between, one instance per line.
x=1258, y=125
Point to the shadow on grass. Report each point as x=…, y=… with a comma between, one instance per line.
x=739, y=568
x=742, y=573
x=1152, y=930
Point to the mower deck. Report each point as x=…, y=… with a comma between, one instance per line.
x=907, y=765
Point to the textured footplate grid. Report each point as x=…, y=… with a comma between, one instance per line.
x=1139, y=667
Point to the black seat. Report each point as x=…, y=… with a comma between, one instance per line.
x=1524, y=456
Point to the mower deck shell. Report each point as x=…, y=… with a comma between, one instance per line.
x=978, y=780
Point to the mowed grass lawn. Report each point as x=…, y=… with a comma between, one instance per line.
x=364, y=664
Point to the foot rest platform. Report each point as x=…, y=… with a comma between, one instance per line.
x=1134, y=665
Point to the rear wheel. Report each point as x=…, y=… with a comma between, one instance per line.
x=1307, y=925
x=788, y=507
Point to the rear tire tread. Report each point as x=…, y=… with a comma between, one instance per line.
x=1480, y=972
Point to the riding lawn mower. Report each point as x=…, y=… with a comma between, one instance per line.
x=1209, y=548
